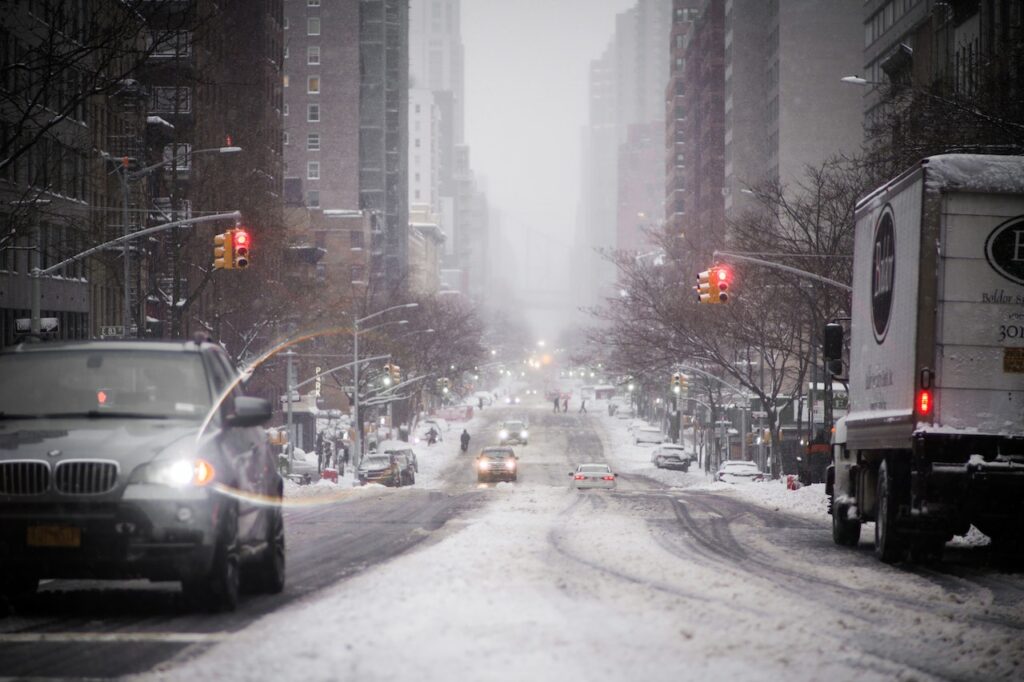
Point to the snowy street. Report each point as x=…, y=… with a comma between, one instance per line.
x=668, y=577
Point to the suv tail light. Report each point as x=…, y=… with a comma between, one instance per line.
x=609, y=477
x=579, y=477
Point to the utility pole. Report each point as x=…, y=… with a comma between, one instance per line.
x=289, y=380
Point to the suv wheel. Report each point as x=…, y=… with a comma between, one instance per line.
x=269, y=573
x=218, y=590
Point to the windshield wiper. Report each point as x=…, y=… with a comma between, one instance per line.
x=97, y=414
x=11, y=415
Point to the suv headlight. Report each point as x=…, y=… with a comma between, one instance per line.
x=523, y=434
x=176, y=473
x=503, y=434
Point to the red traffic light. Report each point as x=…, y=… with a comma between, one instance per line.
x=240, y=241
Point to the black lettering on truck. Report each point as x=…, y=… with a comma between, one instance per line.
x=883, y=265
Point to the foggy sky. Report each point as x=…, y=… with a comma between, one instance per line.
x=526, y=67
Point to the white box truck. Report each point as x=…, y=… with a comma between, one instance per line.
x=934, y=438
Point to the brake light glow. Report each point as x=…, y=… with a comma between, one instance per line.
x=609, y=477
x=579, y=477
x=924, y=402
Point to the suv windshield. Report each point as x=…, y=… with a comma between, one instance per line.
x=95, y=383
x=515, y=426
x=377, y=462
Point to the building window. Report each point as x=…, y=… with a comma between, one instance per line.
x=313, y=198
x=178, y=155
x=312, y=170
x=312, y=3
x=313, y=113
x=313, y=55
x=313, y=142
x=313, y=26
x=285, y=110
x=313, y=85
x=286, y=52
x=287, y=138
x=286, y=79
x=356, y=239
x=358, y=274
x=170, y=100
x=285, y=27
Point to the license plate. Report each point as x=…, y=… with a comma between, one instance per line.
x=54, y=536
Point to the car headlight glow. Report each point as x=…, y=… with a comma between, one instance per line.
x=179, y=473
x=523, y=434
x=503, y=434
x=483, y=465
x=510, y=464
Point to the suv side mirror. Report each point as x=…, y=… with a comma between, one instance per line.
x=249, y=411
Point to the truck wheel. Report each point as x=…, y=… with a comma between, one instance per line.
x=889, y=545
x=845, y=531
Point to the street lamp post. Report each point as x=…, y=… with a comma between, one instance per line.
x=126, y=317
x=358, y=442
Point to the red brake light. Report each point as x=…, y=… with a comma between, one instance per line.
x=924, y=402
x=608, y=477
x=579, y=477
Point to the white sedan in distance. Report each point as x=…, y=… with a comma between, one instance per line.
x=593, y=476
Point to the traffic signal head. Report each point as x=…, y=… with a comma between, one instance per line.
x=721, y=280
x=222, y=259
x=387, y=375
x=240, y=242
x=703, y=287
x=395, y=372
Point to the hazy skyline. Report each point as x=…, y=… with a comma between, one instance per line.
x=526, y=101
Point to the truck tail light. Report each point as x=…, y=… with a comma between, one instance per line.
x=924, y=402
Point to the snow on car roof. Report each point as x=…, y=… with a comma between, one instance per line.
x=393, y=445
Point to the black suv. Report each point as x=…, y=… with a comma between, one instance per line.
x=497, y=463
x=134, y=459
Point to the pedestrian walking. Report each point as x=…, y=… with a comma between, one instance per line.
x=565, y=404
x=583, y=406
x=556, y=403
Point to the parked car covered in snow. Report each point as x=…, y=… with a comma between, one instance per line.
x=647, y=434
x=671, y=456
x=738, y=471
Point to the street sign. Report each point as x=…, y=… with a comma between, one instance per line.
x=759, y=414
x=112, y=331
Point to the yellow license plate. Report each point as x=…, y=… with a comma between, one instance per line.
x=54, y=536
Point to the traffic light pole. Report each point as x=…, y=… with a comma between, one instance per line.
x=784, y=268
x=38, y=273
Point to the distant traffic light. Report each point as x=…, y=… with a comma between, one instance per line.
x=395, y=373
x=676, y=388
x=387, y=375
x=240, y=242
x=446, y=386
x=222, y=259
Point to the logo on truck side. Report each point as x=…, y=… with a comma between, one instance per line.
x=883, y=273
x=1004, y=249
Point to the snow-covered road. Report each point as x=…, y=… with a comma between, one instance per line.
x=668, y=578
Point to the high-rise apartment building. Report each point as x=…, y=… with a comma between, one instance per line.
x=626, y=115
x=346, y=122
